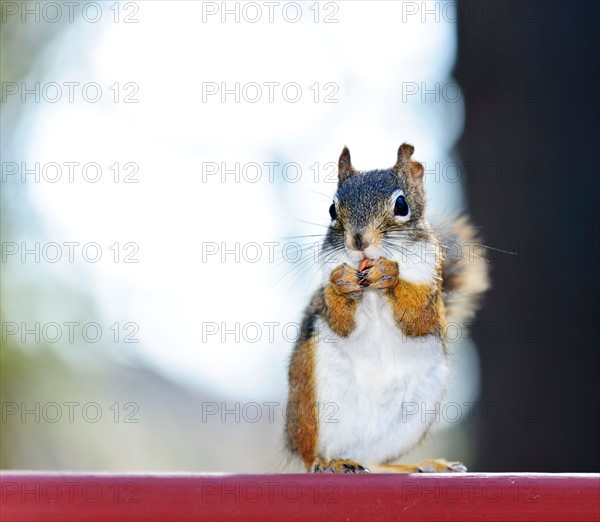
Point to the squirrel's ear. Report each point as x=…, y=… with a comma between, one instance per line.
x=405, y=152
x=405, y=164
x=416, y=170
x=345, y=167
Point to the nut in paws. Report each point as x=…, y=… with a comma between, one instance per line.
x=380, y=273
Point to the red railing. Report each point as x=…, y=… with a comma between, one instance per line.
x=136, y=497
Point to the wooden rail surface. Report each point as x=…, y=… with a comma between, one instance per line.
x=196, y=497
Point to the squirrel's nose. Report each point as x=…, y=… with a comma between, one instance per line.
x=360, y=243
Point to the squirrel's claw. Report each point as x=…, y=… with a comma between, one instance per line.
x=363, y=279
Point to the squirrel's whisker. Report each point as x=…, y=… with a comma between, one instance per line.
x=304, y=221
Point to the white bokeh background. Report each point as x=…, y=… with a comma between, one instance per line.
x=371, y=54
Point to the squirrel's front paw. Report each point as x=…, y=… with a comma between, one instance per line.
x=346, y=280
x=380, y=273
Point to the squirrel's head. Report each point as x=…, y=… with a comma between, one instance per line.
x=376, y=212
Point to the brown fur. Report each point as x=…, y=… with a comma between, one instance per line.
x=302, y=421
x=339, y=311
x=340, y=297
x=417, y=308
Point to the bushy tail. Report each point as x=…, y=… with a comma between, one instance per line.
x=465, y=270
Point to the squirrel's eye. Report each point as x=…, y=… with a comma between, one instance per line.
x=401, y=206
x=332, y=212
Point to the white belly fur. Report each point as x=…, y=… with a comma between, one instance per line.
x=367, y=380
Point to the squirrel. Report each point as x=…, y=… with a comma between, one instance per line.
x=373, y=335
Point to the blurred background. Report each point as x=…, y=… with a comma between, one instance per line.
x=159, y=160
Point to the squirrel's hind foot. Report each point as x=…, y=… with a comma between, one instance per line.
x=425, y=466
x=441, y=466
x=337, y=466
